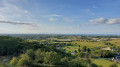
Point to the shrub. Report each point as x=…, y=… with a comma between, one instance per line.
x=24, y=60
x=77, y=62
x=65, y=60
x=94, y=65
x=52, y=58
x=39, y=56
x=14, y=61
x=30, y=53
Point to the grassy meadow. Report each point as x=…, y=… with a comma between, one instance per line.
x=104, y=62
x=90, y=44
x=75, y=45
x=115, y=41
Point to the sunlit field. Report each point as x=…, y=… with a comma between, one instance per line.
x=115, y=42
x=104, y=62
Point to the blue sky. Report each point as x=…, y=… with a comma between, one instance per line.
x=60, y=16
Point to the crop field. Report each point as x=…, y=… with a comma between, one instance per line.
x=104, y=62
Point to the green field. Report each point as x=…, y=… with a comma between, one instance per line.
x=103, y=62
x=71, y=48
x=89, y=44
x=115, y=41
x=76, y=44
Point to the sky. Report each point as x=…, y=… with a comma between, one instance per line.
x=60, y=16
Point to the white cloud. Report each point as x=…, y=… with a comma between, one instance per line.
x=94, y=7
x=68, y=20
x=106, y=21
x=52, y=15
x=114, y=21
x=25, y=25
x=16, y=15
x=17, y=23
x=55, y=15
x=53, y=19
x=99, y=20
x=12, y=12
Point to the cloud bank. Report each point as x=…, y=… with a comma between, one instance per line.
x=17, y=23
x=105, y=21
x=28, y=26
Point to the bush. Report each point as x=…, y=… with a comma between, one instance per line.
x=77, y=62
x=14, y=61
x=52, y=58
x=24, y=60
x=65, y=61
x=30, y=53
x=94, y=65
x=39, y=56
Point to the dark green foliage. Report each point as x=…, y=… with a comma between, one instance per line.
x=109, y=44
x=79, y=49
x=106, y=54
x=39, y=56
x=65, y=61
x=77, y=63
x=82, y=55
x=84, y=49
x=102, y=54
x=30, y=53
x=88, y=50
x=94, y=65
x=10, y=45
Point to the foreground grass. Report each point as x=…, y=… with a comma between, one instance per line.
x=2, y=66
x=104, y=62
